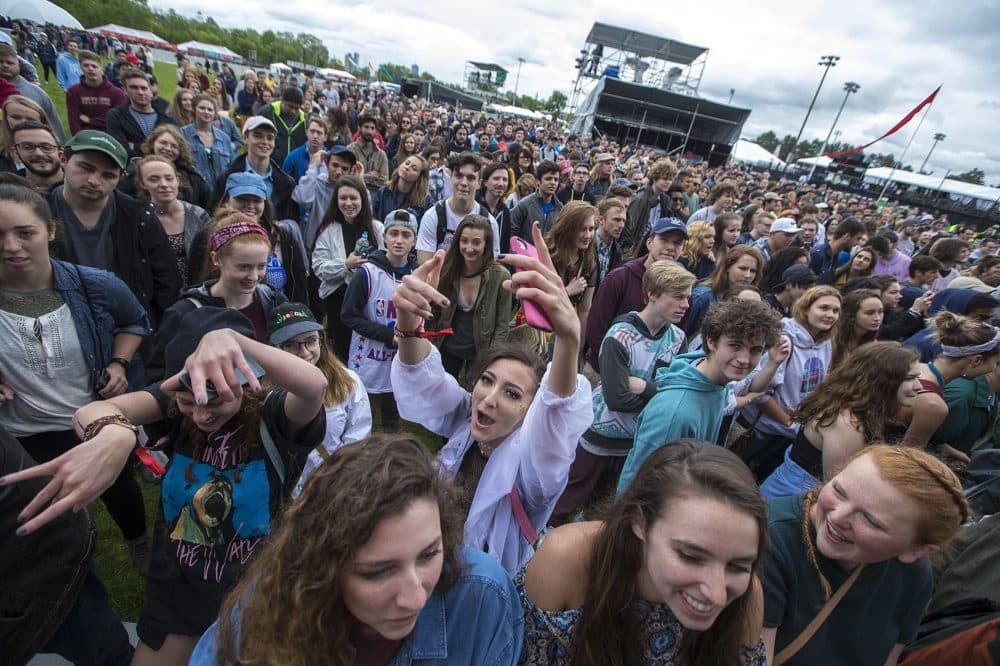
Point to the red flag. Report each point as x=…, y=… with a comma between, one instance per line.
x=895, y=128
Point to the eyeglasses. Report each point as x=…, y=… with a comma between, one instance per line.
x=309, y=344
x=26, y=147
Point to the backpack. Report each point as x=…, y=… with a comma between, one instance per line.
x=442, y=218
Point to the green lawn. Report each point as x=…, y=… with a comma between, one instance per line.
x=125, y=585
x=166, y=77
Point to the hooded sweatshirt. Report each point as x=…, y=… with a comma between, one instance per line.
x=686, y=404
x=798, y=376
x=94, y=103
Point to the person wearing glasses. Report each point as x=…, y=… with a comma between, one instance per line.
x=40, y=153
x=293, y=328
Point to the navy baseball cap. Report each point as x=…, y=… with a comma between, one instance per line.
x=665, y=224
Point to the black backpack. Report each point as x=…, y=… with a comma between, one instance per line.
x=442, y=218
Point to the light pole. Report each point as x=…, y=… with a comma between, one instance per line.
x=826, y=62
x=937, y=137
x=517, y=79
x=849, y=88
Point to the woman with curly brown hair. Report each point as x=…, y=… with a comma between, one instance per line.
x=668, y=577
x=386, y=582
x=847, y=411
x=866, y=533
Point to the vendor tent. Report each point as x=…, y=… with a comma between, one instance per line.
x=143, y=37
x=981, y=196
x=820, y=161
x=39, y=11
x=208, y=50
x=336, y=74
x=749, y=152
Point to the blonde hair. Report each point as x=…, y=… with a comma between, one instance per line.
x=666, y=276
x=692, y=246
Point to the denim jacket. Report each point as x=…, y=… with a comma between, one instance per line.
x=212, y=167
x=479, y=620
x=102, y=307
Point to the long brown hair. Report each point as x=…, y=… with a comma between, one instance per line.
x=453, y=266
x=363, y=222
x=866, y=384
x=847, y=339
x=719, y=282
x=420, y=188
x=561, y=239
x=288, y=607
x=339, y=382
x=607, y=633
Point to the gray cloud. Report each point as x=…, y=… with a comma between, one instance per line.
x=897, y=50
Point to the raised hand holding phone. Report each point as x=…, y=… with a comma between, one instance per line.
x=534, y=315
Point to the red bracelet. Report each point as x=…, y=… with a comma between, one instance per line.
x=419, y=332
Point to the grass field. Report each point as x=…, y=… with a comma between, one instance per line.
x=125, y=586
x=166, y=77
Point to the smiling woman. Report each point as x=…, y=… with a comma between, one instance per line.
x=878, y=518
x=669, y=575
x=387, y=582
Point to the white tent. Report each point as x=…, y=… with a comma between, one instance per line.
x=209, y=50
x=752, y=153
x=337, y=74
x=39, y=11
x=957, y=190
x=132, y=35
x=820, y=161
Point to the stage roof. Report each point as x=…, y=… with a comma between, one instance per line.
x=487, y=66
x=643, y=44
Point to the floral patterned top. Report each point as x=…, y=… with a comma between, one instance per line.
x=548, y=636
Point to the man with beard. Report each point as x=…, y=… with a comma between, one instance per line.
x=39, y=151
x=88, y=102
x=104, y=228
x=374, y=160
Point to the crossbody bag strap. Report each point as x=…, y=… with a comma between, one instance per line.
x=521, y=516
x=270, y=447
x=792, y=648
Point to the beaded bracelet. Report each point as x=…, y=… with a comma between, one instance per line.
x=98, y=424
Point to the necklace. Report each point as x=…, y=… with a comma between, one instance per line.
x=485, y=450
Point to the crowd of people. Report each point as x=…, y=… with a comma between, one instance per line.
x=678, y=412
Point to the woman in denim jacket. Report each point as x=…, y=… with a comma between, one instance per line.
x=68, y=335
x=387, y=582
x=211, y=147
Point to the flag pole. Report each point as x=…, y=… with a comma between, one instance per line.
x=907, y=148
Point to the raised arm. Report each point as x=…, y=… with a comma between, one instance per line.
x=539, y=282
x=220, y=353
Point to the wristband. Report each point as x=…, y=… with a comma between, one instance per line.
x=124, y=362
x=419, y=332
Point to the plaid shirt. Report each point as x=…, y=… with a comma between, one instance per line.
x=439, y=184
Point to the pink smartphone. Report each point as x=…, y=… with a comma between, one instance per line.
x=534, y=315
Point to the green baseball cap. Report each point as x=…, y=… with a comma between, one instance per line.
x=100, y=142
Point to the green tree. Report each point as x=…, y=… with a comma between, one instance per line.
x=974, y=176
x=768, y=141
x=556, y=103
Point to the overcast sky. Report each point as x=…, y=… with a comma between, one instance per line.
x=898, y=51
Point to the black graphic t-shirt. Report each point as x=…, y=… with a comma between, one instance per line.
x=216, y=507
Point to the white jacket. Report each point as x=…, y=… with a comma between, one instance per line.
x=536, y=457
x=329, y=260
